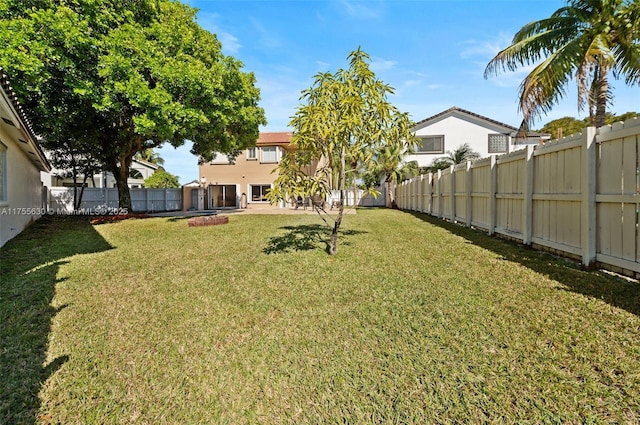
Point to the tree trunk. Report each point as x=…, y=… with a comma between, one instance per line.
x=354, y=167
x=74, y=174
x=601, y=101
x=79, y=200
x=392, y=198
x=333, y=249
x=355, y=192
x=121, y=174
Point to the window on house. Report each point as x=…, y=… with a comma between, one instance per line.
x=251, y=153
x=269, y=154
x=498, y=143
x=3, y=173
x=431, y=144
x=259, y=192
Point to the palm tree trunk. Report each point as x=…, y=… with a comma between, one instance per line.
x=602, y=85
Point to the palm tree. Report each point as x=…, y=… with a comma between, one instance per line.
x=460, y=155
x=588, y=39
x=151, y=156
x=389, y=165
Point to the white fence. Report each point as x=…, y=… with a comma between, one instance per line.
x=103, y=199
x=365, y=199
x=579, y=195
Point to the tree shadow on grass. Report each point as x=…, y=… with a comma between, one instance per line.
x=29, y=265
x=612, y=289
x=306, y=237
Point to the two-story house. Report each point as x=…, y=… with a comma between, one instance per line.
x=450, y=129
x=244, y=182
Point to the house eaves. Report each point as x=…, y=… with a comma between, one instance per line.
x=459, y=111
x=280, y=138
x=15, y=122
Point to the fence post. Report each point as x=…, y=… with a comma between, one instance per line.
x=438, y=194
x=429, y=200
x=452, y=175
x=468, y=194
x=589, y=169
x=528, y=197
x=492, y=194
x=421, y=202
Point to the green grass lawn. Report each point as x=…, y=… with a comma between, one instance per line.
x=413, y=321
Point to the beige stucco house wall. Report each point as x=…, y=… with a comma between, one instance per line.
x=21, y=161
x=245, y=182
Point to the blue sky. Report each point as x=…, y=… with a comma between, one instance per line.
x=433, y=52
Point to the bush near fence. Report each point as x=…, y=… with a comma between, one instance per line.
x=579, y=196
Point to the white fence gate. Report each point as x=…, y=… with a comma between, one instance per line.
x=579, y=195
x=95, y=200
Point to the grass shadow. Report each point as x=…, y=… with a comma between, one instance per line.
x=612, y=289
x=305, y=237
x=29, y=265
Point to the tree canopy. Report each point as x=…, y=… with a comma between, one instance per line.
x=586, y=39
x=345, y=116
x=162, y=180
x=567, y=126
x=126, y=76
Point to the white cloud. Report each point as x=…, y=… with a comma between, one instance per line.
x=361, y=9
x=485, y=49
x=230, y=43
x=478, y=53
x=379, y=64
x=267, y=37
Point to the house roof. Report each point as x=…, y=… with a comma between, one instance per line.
x=455, y=110
x=281, y=138
x=147, y=164
x=15, y=122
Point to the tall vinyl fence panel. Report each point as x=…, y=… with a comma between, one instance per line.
x=579, y=196
x=97, y=200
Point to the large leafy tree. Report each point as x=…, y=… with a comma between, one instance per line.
x=128, y=76
x=343, y=115
x=586, y=39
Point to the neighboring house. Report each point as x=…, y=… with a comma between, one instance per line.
x=138, y=173
x=454, y=127
x=245, y=182
x=21, y=162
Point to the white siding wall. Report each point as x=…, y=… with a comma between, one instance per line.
x=456, y=131
x=24, y=192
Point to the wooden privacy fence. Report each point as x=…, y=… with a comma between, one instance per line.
x=579, y=195
x=95, y=200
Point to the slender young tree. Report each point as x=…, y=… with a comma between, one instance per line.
x=342, y=114
x=586, y=39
